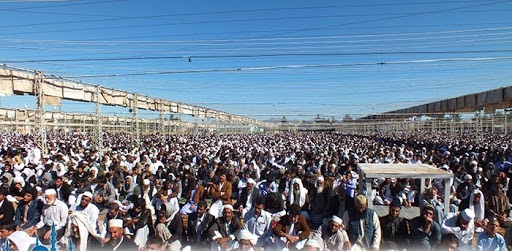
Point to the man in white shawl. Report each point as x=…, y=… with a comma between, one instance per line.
x=298, y=195
x=84, y=221
x=477, y=204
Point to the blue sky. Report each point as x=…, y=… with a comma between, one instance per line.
x=265, y=59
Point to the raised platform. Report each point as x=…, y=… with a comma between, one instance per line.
x=406, y=212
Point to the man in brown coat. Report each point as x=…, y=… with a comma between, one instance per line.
x=292, y=231
x=220, y=193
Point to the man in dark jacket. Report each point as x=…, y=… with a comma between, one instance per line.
x=395, y=228
x=29, y=209
x=63, y=190
x=247, y=197
x=223, y=231
x=339, y=203
x=425, y=232
x=6, y=208
x=198, y=224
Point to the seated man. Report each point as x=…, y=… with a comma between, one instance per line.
x=259, y=222
x=363, y=226
x=117, y=241
x=20, y=241
x=461, y=225
x=491, y=239
x=113, y=213
x=333, y=235
x=83, y=221
x=246, y=197
x=246, y=240
x=425, y=232
x=395, y=228
x=292, y=231
x=29, y=209
x=198, y=224
x=223, y=230
x=170, y=226
x=55, y=212
x=155, y=243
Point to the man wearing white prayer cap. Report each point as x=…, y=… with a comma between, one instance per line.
x=117, y=241
x=54, y=212
x=246, y=240
x=246, y=197
x=461, y=224
x=314, y=245
x=332, y=235
x=20, y=241
x=223, y=230
x=83, y=221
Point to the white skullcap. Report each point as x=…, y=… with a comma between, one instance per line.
x=22, y=240
x=118, y=203
x=336, y=219
x=313, y=243
x=18, y=179
x=146, y=182
x=87, y=194
x=115, y=223
x=245, y=234
x=251, y=180
x=468, y=177
x=50, y=192
x=468, y=214
x=228, y=206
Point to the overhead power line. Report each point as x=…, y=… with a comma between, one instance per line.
x=252, y=56
x=265, y=68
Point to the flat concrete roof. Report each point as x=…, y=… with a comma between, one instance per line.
x=415, y=171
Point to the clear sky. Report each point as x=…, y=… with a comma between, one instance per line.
x=265, y=59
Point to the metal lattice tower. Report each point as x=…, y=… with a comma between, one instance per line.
x=136, y=120
x=40, y=121
x=98, y=129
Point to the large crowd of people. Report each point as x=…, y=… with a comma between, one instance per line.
x=281, y=191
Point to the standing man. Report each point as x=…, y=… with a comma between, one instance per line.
x=363, y=226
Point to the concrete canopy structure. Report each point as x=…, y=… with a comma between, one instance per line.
x=399, y=171
x=488, y=101
x=51, y=90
